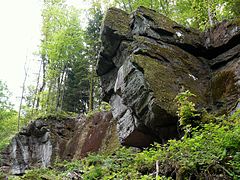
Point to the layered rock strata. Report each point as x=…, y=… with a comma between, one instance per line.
x=45, y=141
x=146, y=60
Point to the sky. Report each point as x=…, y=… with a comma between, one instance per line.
x=20, y=22
x=20, y=34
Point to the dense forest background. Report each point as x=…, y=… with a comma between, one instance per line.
x=66, y=80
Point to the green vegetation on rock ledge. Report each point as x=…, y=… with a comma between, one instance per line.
x=210, y=150
x=104, y=107
x=8, y=117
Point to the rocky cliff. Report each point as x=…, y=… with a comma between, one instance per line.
x=146, y=60
x=49, y=139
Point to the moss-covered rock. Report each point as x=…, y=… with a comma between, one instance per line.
x=153, y=59
x=115, y=29
x=226, y=87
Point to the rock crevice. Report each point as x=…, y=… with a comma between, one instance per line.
x=49, y=139
x=153, y=60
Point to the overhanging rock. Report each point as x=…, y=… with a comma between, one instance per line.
x=148, y=59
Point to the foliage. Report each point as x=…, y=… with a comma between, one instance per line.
x=61, y=115
x=104, y=107
x=199, y=14
x=211, y=151
x=186, y=109
x=163, y=6
x=8, y=128
x=66, y=80
x=38, y=174
x=8, y=117
x=61, y=48
x=4, y=99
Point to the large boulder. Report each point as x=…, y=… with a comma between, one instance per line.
x=49, y=139
x=153, y=59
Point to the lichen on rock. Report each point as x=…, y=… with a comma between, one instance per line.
x=154, y=59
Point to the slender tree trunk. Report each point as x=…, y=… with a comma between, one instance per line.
x=210, y=15
x=211, y=19
x=23, y=90
x=97, y=90
x=63, y=87
x=41, y=89
x=47, y=105
x=157, y=169
x=36, y=89
x=59, y=89
x=151, y=5
x=58, y=94
x=130, y=6
x=124, y=5
x=91, y=91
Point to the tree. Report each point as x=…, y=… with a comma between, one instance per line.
x=199, y=14
x=66, y=79
x=82, y=82
x=232, y=8
x=77, y=87
x=61, y=47
x=6, y=107
x=26, y=68
x=93, y=45
x=69, y=57
x=5, y=104
x=162, y=6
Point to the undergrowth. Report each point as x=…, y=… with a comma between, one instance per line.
x=104, y=107
x=208, y=150
x=60, y=115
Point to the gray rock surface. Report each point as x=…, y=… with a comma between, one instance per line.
x=145, y=61
x=46, y=140
x=153, y=59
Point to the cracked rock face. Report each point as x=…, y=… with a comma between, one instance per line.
x=30, y=147
x=44, y=141
x=146, y=60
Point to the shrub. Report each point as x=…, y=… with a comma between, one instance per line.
x=186, y=109
x=104, y=107
x=211, y=152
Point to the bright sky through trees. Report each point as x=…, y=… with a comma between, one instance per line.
x=20, y=33
x=19, y=37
